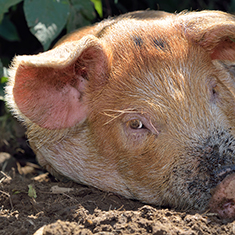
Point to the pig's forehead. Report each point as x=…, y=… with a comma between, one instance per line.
x=155, y=58
x=151, y=46
x=147, y=40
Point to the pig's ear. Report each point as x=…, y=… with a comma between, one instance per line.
x=213, y=30
x=50, y=89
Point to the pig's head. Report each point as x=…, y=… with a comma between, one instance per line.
x=141, y=106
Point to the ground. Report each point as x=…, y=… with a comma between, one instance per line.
x=70, y=208
x=32, y=200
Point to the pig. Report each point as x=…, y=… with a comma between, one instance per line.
x=142, y=105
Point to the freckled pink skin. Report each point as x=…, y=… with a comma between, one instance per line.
x=223, y=198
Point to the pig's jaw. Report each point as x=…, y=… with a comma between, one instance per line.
x=81, y=168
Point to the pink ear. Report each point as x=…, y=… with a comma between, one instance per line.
x=225, y=50
x=50, y=89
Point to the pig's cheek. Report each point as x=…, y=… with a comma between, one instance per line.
x=135, y=136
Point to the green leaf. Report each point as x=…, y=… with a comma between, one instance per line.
x=32, y=191
x=3, y=80
x=2, y=87
x=81, y=14
x=8, y=30
x=15, y=192
x=98, y=7
x=5, y=5
x=46, y=18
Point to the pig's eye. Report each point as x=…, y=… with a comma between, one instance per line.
x=136, y=124
x=139, y=125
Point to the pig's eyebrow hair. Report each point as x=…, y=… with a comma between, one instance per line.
x=118, y=113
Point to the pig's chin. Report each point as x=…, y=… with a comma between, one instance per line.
x=223, y=198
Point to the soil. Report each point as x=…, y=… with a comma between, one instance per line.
x=34, y=202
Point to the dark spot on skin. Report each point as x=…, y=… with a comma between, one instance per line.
x=160, y=44
x=138, y=41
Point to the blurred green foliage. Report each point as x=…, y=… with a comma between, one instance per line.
x=98, y=7
x=5, y=5
x=46, y=18
x=3, y=80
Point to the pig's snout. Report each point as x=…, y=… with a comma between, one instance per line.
x=223, y=195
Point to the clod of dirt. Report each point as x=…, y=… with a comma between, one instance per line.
x=6, y=161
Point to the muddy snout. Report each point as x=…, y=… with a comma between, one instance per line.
x=223, y=195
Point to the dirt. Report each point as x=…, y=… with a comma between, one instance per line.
x=70, y=208
x=32, y=200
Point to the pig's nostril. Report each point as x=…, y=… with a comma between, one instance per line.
x=224, y=171
x=223, y=197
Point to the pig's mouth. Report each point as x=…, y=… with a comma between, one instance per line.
x=221, y=187
x=211, y=183
x=215, y=179
x=223, y=195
